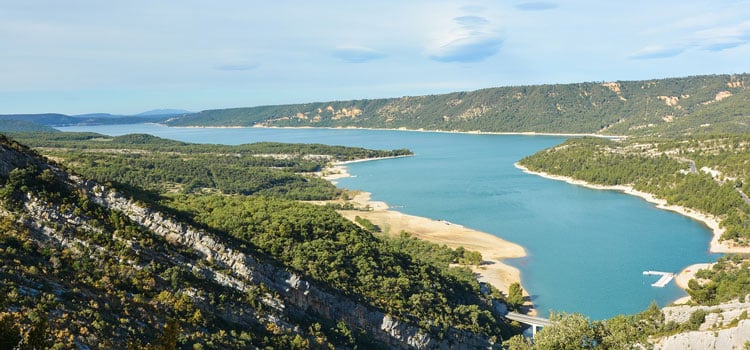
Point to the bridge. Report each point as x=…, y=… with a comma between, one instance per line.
x=533, y=321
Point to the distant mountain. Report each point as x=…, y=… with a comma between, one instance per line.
x=699, y=104
x=163, y=112
x=56, y=119
x=97, y=115
x=49, y=119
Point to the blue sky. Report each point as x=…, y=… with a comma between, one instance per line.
x=85, y=56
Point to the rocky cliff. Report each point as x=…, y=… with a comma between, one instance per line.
x=726, y=326
x=287, y=296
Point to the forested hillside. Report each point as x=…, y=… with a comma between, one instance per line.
x=107, y=265
x=677, y=106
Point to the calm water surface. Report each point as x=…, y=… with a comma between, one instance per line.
x=586, y=248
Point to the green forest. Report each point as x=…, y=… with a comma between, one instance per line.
x=120, y=284
x=665, y=107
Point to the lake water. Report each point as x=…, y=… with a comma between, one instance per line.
x=586, y=248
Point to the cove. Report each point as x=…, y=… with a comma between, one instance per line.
x=586, y=248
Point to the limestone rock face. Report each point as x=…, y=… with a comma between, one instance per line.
x=718, y=331
x=731, y=338
x=297, y=294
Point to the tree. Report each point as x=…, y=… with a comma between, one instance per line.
x=515, y=296
x=569, y=332
x=518, y=342
x=622, y=333
x=10, y=334
x=168, y=339
x=38, y=337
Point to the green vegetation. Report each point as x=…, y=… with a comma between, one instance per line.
x=366, y=224
x=318, y=242
x=727, y=280
x=678, y=106
x=160, y=165
x=97, y=278
x=515, y=296
x=575, y=331
x=117, y=284
x=663, y=167
x=14, y=125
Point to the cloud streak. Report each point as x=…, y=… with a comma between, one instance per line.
x=474, y=42
x=471, y=21
x=656, y=52
x=237, y=66
x=713, y=40
x=536, y=6
x=357, y=54
x=470, y=49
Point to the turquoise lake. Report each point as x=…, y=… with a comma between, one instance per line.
x=586, y=248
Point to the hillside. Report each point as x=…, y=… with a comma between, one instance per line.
x=35, y=122
x=85, y=264
x=677, y=106
x=15, y=125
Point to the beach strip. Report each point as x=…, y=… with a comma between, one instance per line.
x=710, y=221
x=492, y=248
x=391, y=222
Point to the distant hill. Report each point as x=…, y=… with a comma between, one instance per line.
x=97, y=115
x=14, y=125
x=49, y=119
x=698, y=104
x=56, y=119
x=163, y=112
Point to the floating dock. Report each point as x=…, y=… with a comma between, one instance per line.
x=666, y=277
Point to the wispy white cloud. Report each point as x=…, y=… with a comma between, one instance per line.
x=656, y=51
x=473, y=40
x=723, y=38
x=471, y=21
x=468, y=49
x=357, y=54
x=536, y=6
x=237, y=66
x=714, y=39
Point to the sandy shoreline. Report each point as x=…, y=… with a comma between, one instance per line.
x=391, y=222
x=710, y=221
x=472, y=132
x=492, y=248
x=338, y=170
x=686, y=274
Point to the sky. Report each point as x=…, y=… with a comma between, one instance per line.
x=126, y=57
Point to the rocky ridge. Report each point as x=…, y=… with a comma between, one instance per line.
x=290, y=293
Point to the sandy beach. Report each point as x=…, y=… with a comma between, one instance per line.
x=338, y=170
x=688, y=273
x=492, y=248
x=684, y=276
